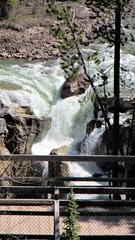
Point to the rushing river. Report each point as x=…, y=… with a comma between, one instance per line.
x=38, y=84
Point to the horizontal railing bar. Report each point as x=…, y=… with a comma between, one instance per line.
x=106, y=203
x=22, y=179
x=76, y=189
x=41, y=179
x=76, y=158
x=107, y=237
x=38, y=189
x=51, y=213
x=31, y=213
x=28, y=236
x=26, y=202
x=97, y=189
x=85, y=202
x=82, y=237
x=102, y=213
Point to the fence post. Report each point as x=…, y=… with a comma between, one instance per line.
x=56, y=214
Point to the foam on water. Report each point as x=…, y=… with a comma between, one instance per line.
x=38, y=85
x=31, y=84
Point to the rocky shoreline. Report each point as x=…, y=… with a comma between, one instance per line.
x=30, y=38
x=26, y=34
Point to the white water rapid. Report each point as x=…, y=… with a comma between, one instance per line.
x=38, y=84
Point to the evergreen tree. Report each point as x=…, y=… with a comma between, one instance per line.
x=71, y=227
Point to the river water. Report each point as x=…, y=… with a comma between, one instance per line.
x=38, y=84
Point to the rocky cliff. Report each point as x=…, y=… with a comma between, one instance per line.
x=19, y=129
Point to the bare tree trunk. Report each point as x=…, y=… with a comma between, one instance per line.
x=116, y=77
x=116, y=89
x=4, y=4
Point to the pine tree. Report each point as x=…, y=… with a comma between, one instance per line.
x=71, y=226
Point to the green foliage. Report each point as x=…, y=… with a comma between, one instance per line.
x=93, y=57
x=69, y=36
x=71, y=227
x=12, y=3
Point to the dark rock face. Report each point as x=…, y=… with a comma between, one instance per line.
x=126, y=131
x=19, y=128
x=74, y=86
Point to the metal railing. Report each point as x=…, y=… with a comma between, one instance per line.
x=34, y=189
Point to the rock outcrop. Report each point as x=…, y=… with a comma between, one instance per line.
x=127, y=128
x=74, y=86
x=59, y=169
x=19, y=129
x=63, y=150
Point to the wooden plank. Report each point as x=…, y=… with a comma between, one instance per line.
x=26, y=202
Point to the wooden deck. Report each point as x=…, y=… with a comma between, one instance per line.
x=97, y=217
x=41, y=224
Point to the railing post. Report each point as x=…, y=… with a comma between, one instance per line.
x=56, y=214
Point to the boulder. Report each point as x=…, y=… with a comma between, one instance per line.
x=23, y=128
x=74, y=86
x=125, y=104
x=19, y=129
x=59, y=169
x=63, y=150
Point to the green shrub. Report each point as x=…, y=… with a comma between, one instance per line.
x=12, y=3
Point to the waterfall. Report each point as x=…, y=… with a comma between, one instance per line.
x=38, y=84
x=92, y=140
x=68, y=126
